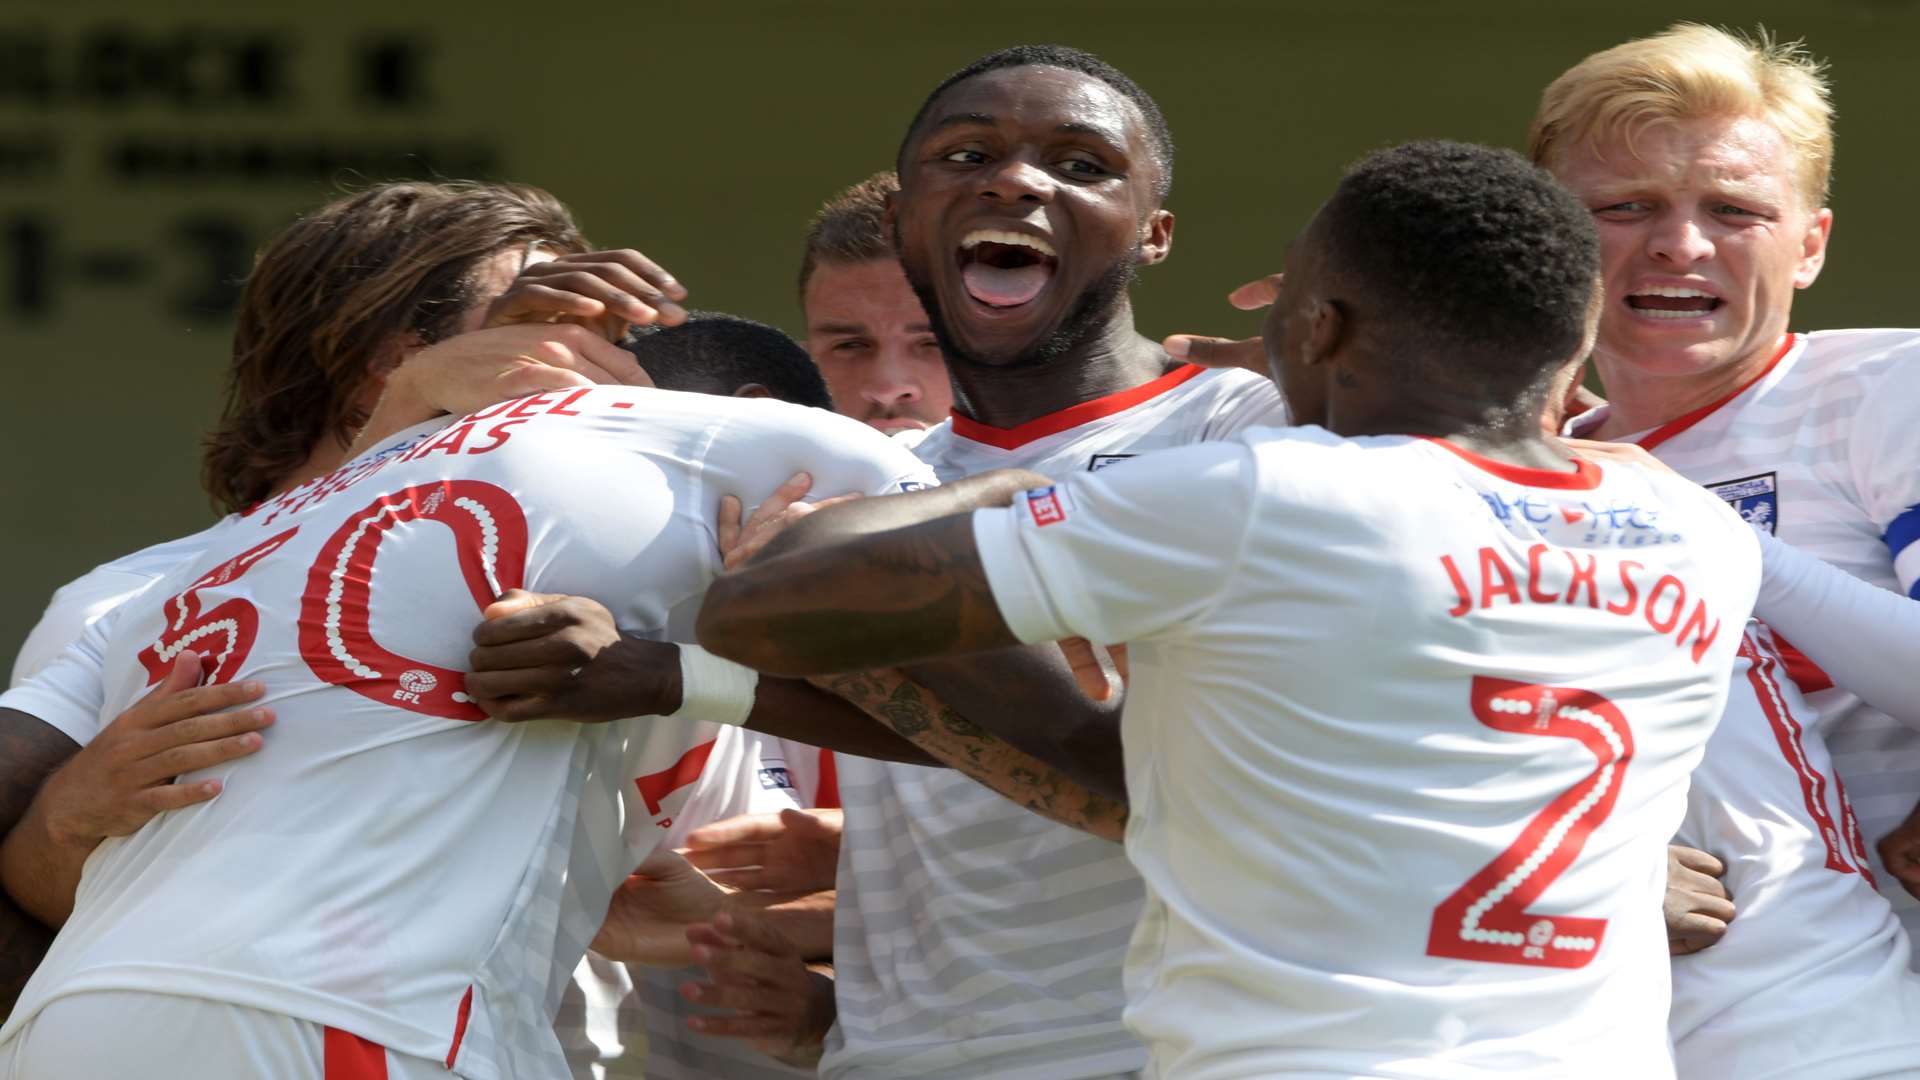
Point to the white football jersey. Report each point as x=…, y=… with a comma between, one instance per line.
x=82, y=602
x=1811, y=980
x=391, y=863
x=1822, y=449
x=1406, y=734
x=974, y=938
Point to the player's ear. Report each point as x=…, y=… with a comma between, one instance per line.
x=753, y=389
x=1156, y=237
x=1326, y=329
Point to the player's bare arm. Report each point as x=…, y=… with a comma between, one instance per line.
x=1081, y=738
x=123, y=778
x=29, y=751
x=890, y=697
x=540, y=657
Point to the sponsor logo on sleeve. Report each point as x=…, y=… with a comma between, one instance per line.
x=776, y=776
x=1755, y=498
x=1048, y=505
x=1101, y=461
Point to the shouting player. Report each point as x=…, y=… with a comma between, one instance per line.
x=1408, y=727
x=1709, y=191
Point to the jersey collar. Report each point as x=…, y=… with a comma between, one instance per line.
x=1072, y=416
x=1681, y=423
x=1584, y=477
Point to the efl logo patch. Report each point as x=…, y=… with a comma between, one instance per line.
x=1049, y=505
x=1755, y=498
x=1101, y=461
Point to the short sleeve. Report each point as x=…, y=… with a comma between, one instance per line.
x=1884, y=447
x=70, y=692
x=1124, y=553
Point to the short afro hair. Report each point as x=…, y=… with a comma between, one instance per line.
x=716, y=353
x=1062, y=56
x=850, y=228
x=1483, y=263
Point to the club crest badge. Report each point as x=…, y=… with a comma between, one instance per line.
x=1755, y=498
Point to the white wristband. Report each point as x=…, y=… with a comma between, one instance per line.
x=713, y=690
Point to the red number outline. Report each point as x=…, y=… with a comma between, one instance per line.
x=1486, y=919
x=336, y=634
x=235, y=621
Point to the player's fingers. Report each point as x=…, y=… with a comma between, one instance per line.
x=485, y=686
x=517, y=709
x=1118, y=654
x=745, y=878
x=1694, y=933
x=724, y=856
x=810, y=823
x=728, y=528
x=547, y=651
x=655, y=274
x=164, y=797
x=1696, y=860
x=529, y=301
x=744, y=829
x=620, y=365
x=184, y=705
x=1258, y=293
x=1697, y=886
x=1215, y=352
x=795, y=489
x=754, y=932
x=623, y=292
x=1086, y=668
x=521, y=616
x=731, y=986
x=199, y=755
x=753, y=1026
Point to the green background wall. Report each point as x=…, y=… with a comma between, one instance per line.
x=146, y=150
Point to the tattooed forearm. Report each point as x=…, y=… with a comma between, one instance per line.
x=923, y=719
x=875, y=600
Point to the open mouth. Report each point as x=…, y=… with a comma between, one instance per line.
x=1661, y=302
x=1005, y=269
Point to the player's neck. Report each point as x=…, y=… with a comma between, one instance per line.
x=1509, y=434
x=327, y=455
x=1114, y=359
x=1639, y=402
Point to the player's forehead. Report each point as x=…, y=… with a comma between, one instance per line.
x=1738, y=155
x=1036, y=101
x=872, y=293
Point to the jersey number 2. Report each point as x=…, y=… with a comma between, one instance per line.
x=1487, y=918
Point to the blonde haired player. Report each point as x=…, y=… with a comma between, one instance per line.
x=1705, y=159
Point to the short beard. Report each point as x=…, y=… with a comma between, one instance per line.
x=1089, y=312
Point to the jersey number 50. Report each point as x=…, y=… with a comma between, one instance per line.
x=336, y=633
x=1487, y=918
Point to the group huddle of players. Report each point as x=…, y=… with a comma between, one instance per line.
x=1364, y=699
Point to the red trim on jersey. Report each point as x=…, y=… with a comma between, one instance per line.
x=1788, y=733
x=346, y=1056
x=1679, y=424
x=827, y=793
x=1073, y=416
x=655, y=787
x=1584, y=477
x=1805, y=674
x=459, y=1027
